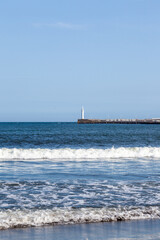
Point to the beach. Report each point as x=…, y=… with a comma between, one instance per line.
x=80, y=120
x=144, y=229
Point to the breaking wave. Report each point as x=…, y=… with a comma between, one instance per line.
x=91, y=153
x=26, y=218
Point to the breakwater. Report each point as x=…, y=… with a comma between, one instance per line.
x=119, y=121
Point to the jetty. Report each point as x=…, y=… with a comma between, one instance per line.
x=116, y=121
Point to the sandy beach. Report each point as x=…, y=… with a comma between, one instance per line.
x=141, y=229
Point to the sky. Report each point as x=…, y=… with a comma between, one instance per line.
x=57, y=55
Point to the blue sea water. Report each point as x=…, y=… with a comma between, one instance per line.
x=60, y=173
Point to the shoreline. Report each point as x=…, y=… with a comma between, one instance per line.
x=135, y=229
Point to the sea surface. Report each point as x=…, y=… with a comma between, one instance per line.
x=65, y=173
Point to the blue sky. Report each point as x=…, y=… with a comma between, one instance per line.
x=56, y=56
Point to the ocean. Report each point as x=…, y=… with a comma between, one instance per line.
x=65, y=173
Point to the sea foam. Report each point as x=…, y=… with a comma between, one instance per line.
x=26, y=218
x=82, y=154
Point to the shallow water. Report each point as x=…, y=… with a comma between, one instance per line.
x=144, y=229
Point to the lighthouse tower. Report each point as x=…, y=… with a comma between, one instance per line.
x=82, y=113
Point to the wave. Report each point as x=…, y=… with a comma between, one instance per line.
x=26, y=218
x=91, y=153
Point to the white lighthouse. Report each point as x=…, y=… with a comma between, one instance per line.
x=82, y=113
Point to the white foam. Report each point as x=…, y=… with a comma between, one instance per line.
x=68, y=153
x=25, y=218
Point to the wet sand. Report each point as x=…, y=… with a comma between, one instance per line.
x=141, y=229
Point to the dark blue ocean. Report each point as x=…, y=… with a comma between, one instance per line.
x=62, y=173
